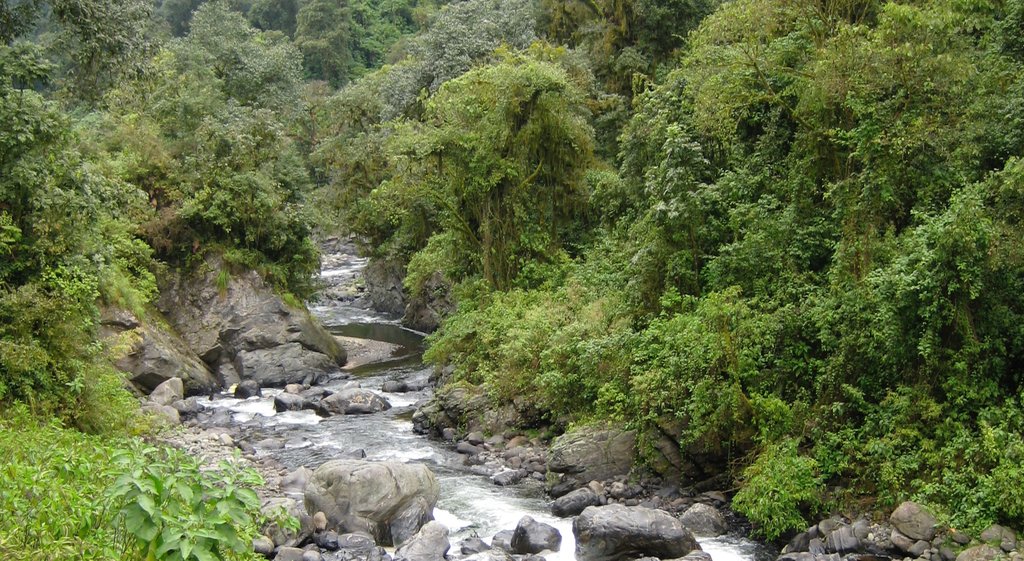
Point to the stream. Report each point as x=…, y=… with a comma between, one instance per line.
x=470, y=504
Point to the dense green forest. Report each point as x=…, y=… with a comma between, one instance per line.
x=785, y=235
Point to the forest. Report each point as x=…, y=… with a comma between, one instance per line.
x=785, y=235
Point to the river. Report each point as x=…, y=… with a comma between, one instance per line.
x=470, y=504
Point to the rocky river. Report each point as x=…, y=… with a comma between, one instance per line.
x=385, y=359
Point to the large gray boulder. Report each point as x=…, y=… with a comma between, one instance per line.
x=353, y=401
x=616, y=533
x=914, y=521
x=704, y=520
x=168, y=392
x=242, y=328
x=429, y=544
x=153, y=354
x=979, y=553
x=593, y=453
x=390, y=501
x=531, y=536
x=573, y=503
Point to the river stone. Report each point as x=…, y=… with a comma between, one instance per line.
x=471, y=546
x=531, y=536
x=326, y=540
x=490, y=555
x=295, y=482
x=901, y=541
x=503, y=540
x=284, y=536
x=164, y=413
x=296, y=389
x=704, y=520
x=353, y=401
x=574, y=503
x=694, y=556
x=168, y=392
x=387, y=500
x=616, y=532
x=288, y=402
x=508, y=477
x=247, y=388
x=842, y=540
x=593, y=453
x=430, y=543
x=979, y=553
x=914, y=521
x=289, y=554
x=1004, y=537
x=262, y=545
x=187, y=408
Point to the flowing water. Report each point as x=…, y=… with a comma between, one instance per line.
x=470, y=504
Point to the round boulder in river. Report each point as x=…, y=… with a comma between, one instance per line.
x=353, y=401
x=616, y=533
x=390, y=501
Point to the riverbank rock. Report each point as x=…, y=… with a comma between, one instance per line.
x=531, y=536
x=592, y=453
x=574, y=502
x=169, y=391
x=433, y=303
x=352, y=401
x=704, y=520
x=1000, y=536
x=430, y=543
x=616, y=533
x=390, y=501
x=154, y=354
x=289, y=402
x=914, y=521
x=240, y=328
x=979, y=553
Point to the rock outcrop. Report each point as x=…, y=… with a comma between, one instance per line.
x=242, y=330
x=154, y=353
x=390, y=501
x=592, y=453
x=616, y=533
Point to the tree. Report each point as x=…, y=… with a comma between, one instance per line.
x=500, y=158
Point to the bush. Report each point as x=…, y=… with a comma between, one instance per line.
x=778, y=488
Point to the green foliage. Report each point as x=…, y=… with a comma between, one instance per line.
x=66, y=494
x=778, y=488
x=175, y=511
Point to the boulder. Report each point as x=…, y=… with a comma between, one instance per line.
x=312, y=555
x=430, y=543
x=289, y=402
x=262, y=545
x=357, y=547
x=394, y=386
x=430, y=305
x=188, y=408
x=503, y=540
x=163, y=413
x=842, y=540
x=387, y=500
x=914, y=521
x=593, y=453
x=283, y=364
x=169, y=391
x=229, y=324
x=900, y=541
x=531, y=536
x=471, y=546
x=508, y=477
x=616, y=532
x=295, y=482
x=353, y=401
x=247, y=388
x=1001, y=536
x=294, y=388
x=704, y=520
x=285, y=536
x=574, y=502
x=979, y=553
x=490, y=555
x=326, y=540
x=289, y=554
x=154, y=354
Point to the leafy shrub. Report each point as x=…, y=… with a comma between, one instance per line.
x=778, y=488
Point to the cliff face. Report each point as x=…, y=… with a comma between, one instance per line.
x=214, y=334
